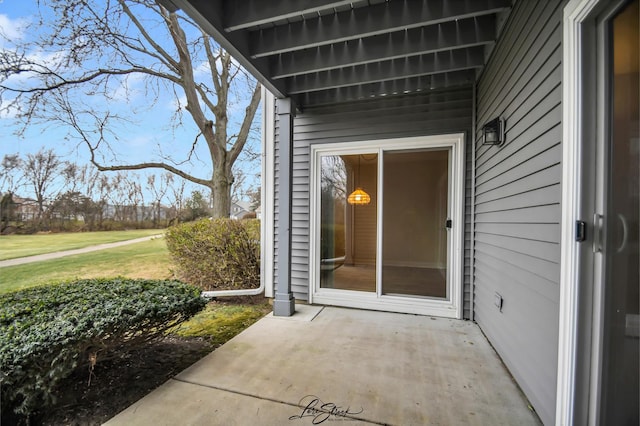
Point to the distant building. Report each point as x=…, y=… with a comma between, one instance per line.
x=240, y=210
x=26, y=208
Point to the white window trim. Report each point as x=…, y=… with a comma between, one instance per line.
x=452, y=308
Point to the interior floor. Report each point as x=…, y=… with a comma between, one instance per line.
x=396, y=280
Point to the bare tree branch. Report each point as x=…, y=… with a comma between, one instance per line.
x=76, y=73
x=151, y=165
x=246, y=125
x=145, y=34
x=99, y=73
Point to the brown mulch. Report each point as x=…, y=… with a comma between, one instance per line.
x=118, y=383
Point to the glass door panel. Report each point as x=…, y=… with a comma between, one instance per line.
x=621, y=352
x=348, y=218
x=415, y=212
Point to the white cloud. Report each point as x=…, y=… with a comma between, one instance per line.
x=140, y=141
x=51, y=60
x=11, y=29
x=178, y=103
x=8, y=109
x=129, y=88
x=202, y=69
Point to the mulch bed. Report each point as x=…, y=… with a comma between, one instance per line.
x=118, y=383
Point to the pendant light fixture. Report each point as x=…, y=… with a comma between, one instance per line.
x=358, y=197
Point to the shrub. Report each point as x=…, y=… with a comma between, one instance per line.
x=217, y=254
x=47, y=332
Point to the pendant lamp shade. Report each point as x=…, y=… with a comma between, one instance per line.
x=359, y=197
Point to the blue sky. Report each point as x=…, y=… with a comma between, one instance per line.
x=151, y=132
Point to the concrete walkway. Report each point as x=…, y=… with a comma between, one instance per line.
x=58, y=254
x=333, y=364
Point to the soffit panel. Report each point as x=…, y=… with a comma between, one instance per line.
x=324, y=51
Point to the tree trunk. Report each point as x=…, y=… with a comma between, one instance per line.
x=221, y=193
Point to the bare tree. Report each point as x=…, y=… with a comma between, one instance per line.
x=125, y=197
x=116, y=196
x=176, y=199
x=10, y=173
x=158, y=189
x=41, y=170
x=88, y=50
x=87, y=179
x=103, y=188
x=333, y=176
x=254, y=195
x=134, y=198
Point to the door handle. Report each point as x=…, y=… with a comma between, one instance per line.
x=448, y=224
x=625, y=233
x=597, y=233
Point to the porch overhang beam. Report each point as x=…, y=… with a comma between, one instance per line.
x=395, y=69
x=208, y=14
x=364, y=22
x=417, y=41
x=245, y=14
x=425, y=83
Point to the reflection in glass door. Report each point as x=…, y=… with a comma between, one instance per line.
x=415, y=213
x=388, y=224
x=348, y=211
x=621, y=350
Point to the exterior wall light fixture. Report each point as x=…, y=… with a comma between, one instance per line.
x=493, y=132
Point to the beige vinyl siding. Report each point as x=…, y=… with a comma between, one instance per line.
x=517, y=200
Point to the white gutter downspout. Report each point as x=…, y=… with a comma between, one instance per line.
x=267, y=114
x=244, y=292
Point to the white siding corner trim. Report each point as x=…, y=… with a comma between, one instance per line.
x=575, y=13
x=267, y=198
x=452, y=307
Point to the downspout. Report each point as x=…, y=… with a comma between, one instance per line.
x=266, y=97
x=472, y=239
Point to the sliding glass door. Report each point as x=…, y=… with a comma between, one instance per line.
x=414, y=223
x=385, y=221
x=348, y=229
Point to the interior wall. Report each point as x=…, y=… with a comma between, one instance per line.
x=364, y=224
x=414, y=234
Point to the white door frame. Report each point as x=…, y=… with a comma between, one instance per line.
x=451, y=307
x=575, y=13
x=580, y=322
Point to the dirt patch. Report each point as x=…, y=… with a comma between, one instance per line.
x=118, y=383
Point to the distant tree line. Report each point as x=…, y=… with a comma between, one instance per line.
x=43, y=192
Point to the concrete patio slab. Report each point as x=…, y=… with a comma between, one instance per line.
x=303, y=313
x=345, y=365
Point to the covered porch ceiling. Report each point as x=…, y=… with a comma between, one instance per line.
x=326, y=51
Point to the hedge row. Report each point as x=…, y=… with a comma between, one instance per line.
x=47, y=332
x=217, y=254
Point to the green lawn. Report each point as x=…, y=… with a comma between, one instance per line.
x=148, y=259
x=220, y=322
x=14, y=246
